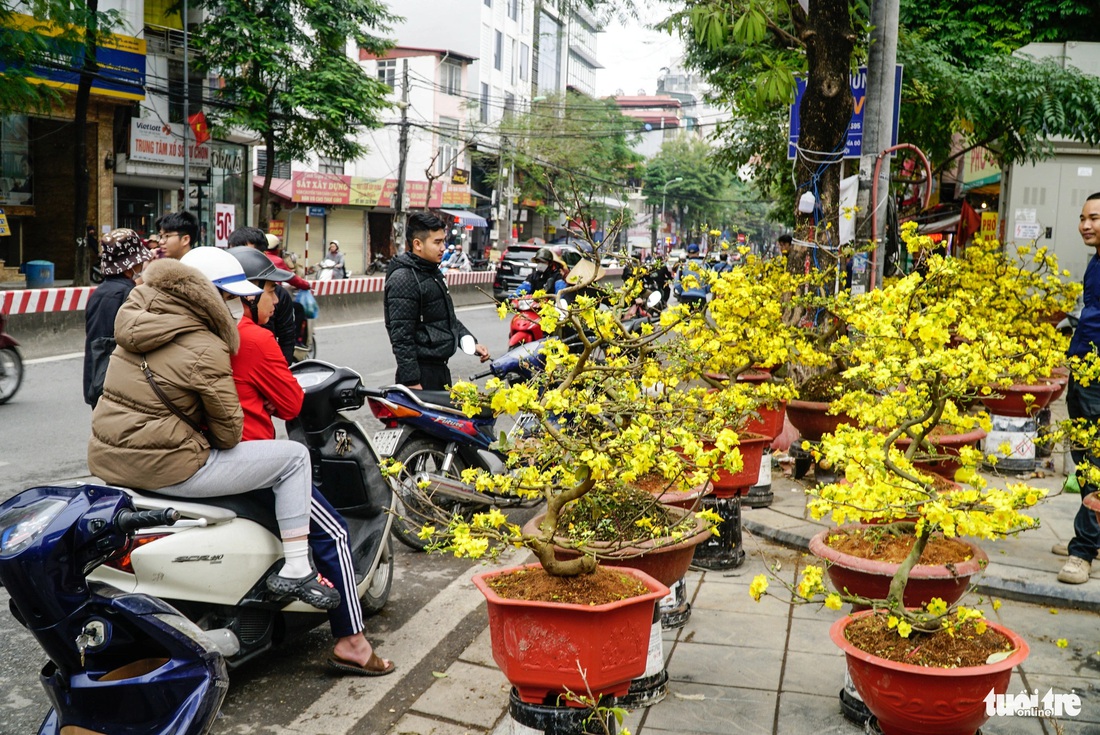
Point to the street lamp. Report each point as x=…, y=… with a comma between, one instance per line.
x=664, y=192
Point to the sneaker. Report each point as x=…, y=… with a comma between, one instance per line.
x=1060, y=549
x=1075, y=571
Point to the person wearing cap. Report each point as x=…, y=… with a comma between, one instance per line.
x=122, y=256
x=284, y=323
x=170, y=421
x=336, y=257
x=272, y=252
x=267, y=387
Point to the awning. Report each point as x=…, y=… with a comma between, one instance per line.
x=466, y=218
x=946, y=224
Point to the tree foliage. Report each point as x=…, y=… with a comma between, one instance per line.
x=683, y=178
x=287, y=75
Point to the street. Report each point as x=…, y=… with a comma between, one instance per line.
x=431, y=617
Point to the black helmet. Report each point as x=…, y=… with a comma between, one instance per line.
x=544, y=255
x=256, y=265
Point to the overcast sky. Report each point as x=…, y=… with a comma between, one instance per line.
x=632, y=56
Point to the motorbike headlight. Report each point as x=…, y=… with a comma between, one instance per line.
x=19, y=527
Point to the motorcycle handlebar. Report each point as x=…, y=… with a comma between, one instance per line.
x=131, y=520
x=483, y=374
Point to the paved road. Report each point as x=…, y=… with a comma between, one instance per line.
x=432, y=615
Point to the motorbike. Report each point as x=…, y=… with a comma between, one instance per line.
x=377, y=265
x=435, y=441
x=213, y=564
x=525, y=325
x=325, y=269
x=305, y=344
x=119, y=662
x=11, y=363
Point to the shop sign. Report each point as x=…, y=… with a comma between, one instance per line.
x=853, y=142
x=224, y=223
x=979, y=169
x=152, y=141
x=456, y=196
x=460, y=177
x=316, y=211
x=5, y=231
x=227, y=159
x=320, y=188
x=989, y=226
x=334, y=189
x=277, y=227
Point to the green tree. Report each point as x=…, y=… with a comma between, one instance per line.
x=287, y=75
x=685, y=179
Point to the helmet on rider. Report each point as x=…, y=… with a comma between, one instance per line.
x=222, y=269
x=693, y=249
x=274, y=242
x=257, y=266
x=549, y=256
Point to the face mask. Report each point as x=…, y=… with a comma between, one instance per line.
x=236, y=309
x=543, y=267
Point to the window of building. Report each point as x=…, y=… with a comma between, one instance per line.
x=515, y=60
x=488, y=3
x=326, y=165
x=498, y=50
x=282, y=168
x=484, y=117
x=175, y=92
x=549, y=57
x=509, y=105
x=387, y=71
x=513, y=9
x=524, y=61
x=451, y=78
x=449, y=145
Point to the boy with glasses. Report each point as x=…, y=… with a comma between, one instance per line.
x=176, y=234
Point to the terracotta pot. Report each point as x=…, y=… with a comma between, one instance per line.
x=666, y=563
x=689, y=500
x=770, y=423
x=921, y=700
x=948, y=445
x=752, y=447
x=1060, y=377
x=871, y=578
x=756, y=376
x=1010, y=401
x=1092, y=501
x=542, y=648
x=812, y=420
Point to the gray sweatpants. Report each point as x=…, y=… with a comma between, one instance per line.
x=282, y=465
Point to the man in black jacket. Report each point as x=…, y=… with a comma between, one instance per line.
x=420, y=316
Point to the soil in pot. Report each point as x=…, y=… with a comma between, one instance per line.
x=602, y=586
x=611, y=515
x=824, y=388
x=881, y=545
x=967, y=647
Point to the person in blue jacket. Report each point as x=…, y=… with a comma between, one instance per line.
x=122, y=256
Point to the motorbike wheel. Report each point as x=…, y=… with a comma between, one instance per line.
x=11, y=373
x=96, y=275
x=378, y=593
x=415, y=507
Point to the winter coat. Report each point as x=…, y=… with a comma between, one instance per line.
x=262, y=377
x=420, y=316
x=177, y=322
x=99, y=332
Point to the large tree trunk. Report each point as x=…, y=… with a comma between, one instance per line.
x=80, y=149
x=825, y=112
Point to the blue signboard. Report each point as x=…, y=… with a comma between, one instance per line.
x=315, y=211
x=853, y=144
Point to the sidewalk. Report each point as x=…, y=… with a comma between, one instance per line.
x=739, y=666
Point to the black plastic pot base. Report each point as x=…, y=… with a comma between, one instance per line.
x=758, y=497
x=719, y=564
x=853, y=709
x=558, y=720
x=723, y=551
x=645, y=692
x=871, y=727
x=675, y=613
x=676, y=619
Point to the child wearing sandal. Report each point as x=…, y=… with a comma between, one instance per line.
x=266, y=387
x=170, y=421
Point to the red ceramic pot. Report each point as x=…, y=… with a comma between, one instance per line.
x=870, y=578
x=667, y=563
x=1010, y=401
x=812, y=419
x=546, y=648
x=1060, y=377
x=690, y=500
x=921, y=700
x=756, y=377
x=1092, y=501
x=948, y=446
x=752, y=448
x=770, y=423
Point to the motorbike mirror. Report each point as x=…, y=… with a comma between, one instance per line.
x=467, y=344
x=654, y=299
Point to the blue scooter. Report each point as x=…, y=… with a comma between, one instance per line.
x=119, y=663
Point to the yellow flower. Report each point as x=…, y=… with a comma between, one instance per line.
x=758, y=587
x=996, y=605
x=426, y=532
x=937, y=606
x=833, y=601
x=904, y=628
x=1062, y=643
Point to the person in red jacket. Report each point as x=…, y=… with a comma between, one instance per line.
x=266, y=387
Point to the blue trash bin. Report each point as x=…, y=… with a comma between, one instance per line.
x=39, y=273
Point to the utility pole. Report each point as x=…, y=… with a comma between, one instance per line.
x=186, y=119
x=403, y=155
x=877, y=136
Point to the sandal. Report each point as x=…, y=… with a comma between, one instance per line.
x=375, y=666
x=312, y=589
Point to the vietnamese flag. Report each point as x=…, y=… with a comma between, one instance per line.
x=199, y=127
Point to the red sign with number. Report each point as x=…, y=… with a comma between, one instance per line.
x=224, y=215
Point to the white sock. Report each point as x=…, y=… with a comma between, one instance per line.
x=297, y=563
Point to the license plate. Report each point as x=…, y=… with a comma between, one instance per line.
x=526, y=271
x=386, y=441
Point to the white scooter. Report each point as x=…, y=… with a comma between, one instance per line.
x=212, y=564
x=325, y=269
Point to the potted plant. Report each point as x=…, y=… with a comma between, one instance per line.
x=901, y=345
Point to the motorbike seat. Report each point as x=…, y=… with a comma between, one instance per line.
x=257, y=506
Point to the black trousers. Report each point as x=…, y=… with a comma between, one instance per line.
x=435, y=376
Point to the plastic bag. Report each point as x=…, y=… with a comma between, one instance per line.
x=308, y=302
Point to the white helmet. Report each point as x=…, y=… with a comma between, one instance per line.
x=223, y=269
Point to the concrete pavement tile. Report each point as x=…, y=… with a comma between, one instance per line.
x=473, y=695
x=721, y=711
x=1087, y=690
x=736, y=629
x=735, y=599
x=807, y=713
x=480, y=651
x=811, y=635
x=415, y=725
x=726, y=666
x=819, y=673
